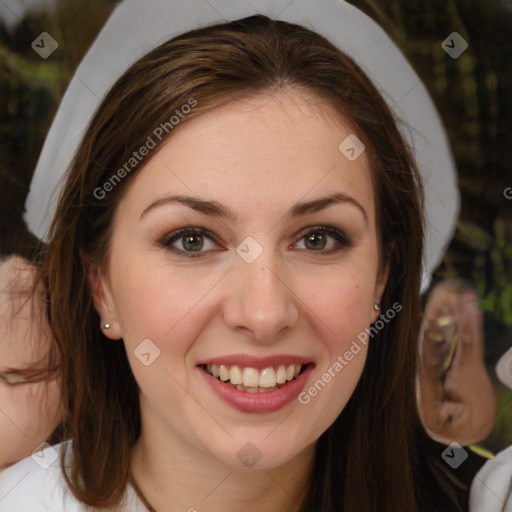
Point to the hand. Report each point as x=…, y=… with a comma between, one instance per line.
x=29, y=411
x=455, y=395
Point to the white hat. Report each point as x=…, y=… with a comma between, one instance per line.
x=136, y=27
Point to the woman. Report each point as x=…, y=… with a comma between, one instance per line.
x=197, y=142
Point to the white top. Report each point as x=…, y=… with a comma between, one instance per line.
x=36, y=484
x=490, y=488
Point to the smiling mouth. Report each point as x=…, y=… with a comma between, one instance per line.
x=252, y=380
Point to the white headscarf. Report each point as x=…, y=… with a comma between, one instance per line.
x=136, y=27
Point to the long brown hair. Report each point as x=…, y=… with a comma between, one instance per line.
x=369, y=459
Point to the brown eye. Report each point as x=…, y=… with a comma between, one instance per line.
x=191, y=241
x=316, y=239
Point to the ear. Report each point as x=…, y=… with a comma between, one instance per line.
x=103, y=301
x=380, y=286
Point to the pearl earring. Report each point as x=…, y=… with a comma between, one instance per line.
x=376, y=307
x=106, y=326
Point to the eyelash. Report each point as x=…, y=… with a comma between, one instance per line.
x=166, y=242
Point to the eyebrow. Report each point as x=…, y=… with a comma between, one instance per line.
x=216, y=209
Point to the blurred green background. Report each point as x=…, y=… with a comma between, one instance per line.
x=472, y=94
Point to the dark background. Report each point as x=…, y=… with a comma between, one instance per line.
x=472, y=94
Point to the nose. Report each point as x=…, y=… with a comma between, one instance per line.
x=261, y=304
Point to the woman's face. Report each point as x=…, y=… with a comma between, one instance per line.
x=267, y=289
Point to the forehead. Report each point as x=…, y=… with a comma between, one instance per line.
x=264, y=150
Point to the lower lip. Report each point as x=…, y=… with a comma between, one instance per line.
x=258, y=402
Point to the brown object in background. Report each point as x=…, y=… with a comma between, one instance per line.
x=455, y=396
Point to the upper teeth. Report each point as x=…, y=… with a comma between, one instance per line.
x=253, y=378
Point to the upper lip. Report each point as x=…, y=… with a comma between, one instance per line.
x=257, y=362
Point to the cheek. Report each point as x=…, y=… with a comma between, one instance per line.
x=328, y=394
x=163, y=303
x=344, y=305
x=344, y=309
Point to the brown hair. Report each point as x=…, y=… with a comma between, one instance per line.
x=368, y=460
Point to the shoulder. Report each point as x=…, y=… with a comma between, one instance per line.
x=492, y=484
x=36, y=484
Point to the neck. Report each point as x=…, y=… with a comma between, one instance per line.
x=174, y=476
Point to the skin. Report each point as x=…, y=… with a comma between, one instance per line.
x=259, y=157
x=29, y=412
x=457, y=402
